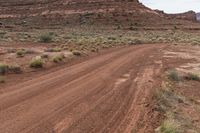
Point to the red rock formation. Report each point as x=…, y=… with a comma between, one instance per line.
x=65, y=12
x=190, y=15
x=76, y=11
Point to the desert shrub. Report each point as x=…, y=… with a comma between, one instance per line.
x=14, y=69
x=2, y=34
x=53, y=50
x=57, y=58
x=21, y=52
x=119, y=27
x=162, y=98
x=36, y=63
x=173, y=75
x=169, y=126
x=44, y=56
x=135, y=42
x=52, y=33
x=3, y=68
x=112, y=38
x=46, y=38
x=2, y=79
x=77, y=53
x=94, y=50
x=192, y=76
x=195, y=42
x=132, y=28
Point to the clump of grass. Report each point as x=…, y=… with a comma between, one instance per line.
x=192, y=76
x=77, y=53
x=2, y=79
x=162, y=98
x=2, y=34
x=3, y=68
x=21, y=52
x=57, y=58
x=53, y=50
x=173, y=75
x=46, y=38
x=135, y=42
x=44, y=56
x=169, y=126
x=36, y=63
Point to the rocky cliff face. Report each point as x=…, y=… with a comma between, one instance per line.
x=43, y=13
x=190, y=15
x=64, y=12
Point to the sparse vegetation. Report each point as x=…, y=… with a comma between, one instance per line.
x=36, y=63
x=192, y=76
x=169, y=103
x=44, y=56
x=2, y=34
x=53, y=50
x=2, y=79
x=57, y=58
x=21, y=52
x=15, y=69
x=46, y=38
x=173, y=75
x=77, y=53
x=3, y=69
x=166, y=101
x=169, y=126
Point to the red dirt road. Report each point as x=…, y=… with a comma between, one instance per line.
x=107, y=93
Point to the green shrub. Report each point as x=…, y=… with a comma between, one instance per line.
x=46, y=38
x=77, y=53
x=192, y=76
x=21, y=53
x=36, y=63
x=173, y=75
x=3, y=68
x=135, y=42
x=2, y=34
x=2, y=79
x=43, y=56
x=53, y=50
x=57, y=58
x=169, y=126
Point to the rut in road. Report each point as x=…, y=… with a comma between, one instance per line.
x=101, y=94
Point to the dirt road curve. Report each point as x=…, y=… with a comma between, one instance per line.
x=106, y=93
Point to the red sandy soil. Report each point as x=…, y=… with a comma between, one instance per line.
x=110, y=92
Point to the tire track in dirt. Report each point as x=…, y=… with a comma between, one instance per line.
x=57, y=77
x=93, y=96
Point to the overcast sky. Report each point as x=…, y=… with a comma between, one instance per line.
x=173, y=6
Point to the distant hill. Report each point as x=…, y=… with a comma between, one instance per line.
x=77, y=12
x=190, y=15
x=118, y=13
